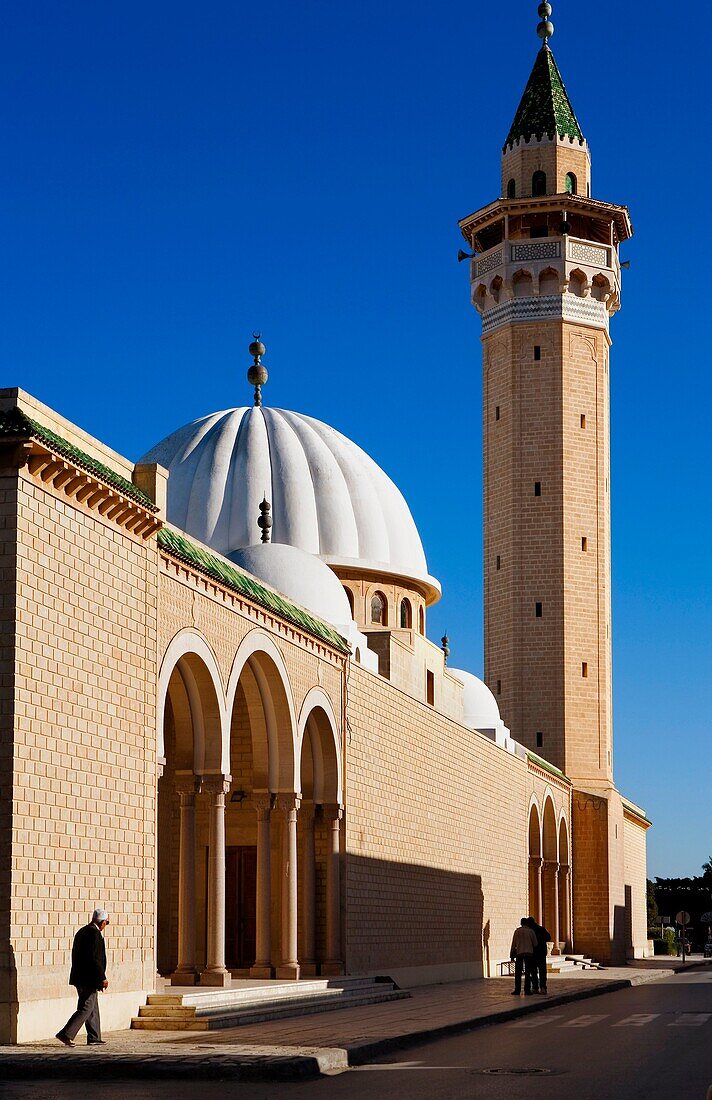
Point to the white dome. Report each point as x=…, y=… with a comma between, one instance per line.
x=300, y=576
x=480, y=705
x=328, y=497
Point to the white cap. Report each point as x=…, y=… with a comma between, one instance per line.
x=100, y=915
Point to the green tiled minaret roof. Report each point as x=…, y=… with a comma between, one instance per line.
x=545, y=107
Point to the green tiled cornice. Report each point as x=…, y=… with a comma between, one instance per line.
x=15, y=422
x=545, y=107
x=546, y=766
x=231, y=577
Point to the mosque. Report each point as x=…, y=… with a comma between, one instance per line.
x=222, y=717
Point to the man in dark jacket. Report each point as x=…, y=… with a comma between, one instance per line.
x=542, y=938
x=88, y=974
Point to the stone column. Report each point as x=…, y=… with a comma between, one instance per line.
x=215, y=973
x=308, y=863
x=187, y=786
x=535, y=887
x=262, y=967
x=333, y=963
x=565, y=905
x=288, y=806
x=551, y=902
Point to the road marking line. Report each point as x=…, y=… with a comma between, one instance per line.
x=537, y=1021
x=638, y=1019
x=585, y=1021
x=691, y=1019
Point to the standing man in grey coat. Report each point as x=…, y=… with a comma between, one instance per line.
x=88, y=975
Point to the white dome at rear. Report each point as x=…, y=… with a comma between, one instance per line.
x=479, y=704
x=328, y=497
x=300, y=576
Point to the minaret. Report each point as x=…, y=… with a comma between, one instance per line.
x=545, y=276
x=546, y=279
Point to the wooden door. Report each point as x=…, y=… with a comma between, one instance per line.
x=240, y=906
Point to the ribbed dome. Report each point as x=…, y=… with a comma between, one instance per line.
x=328, y=497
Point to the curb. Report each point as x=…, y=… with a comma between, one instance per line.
x=17, y=1065
x=174, y=1067
x=364, y=1052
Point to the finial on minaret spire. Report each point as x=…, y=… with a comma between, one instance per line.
x=546, y=27
x=265, y=521
x=257, y=374
x=445, y=647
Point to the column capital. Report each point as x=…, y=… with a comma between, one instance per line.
x=187, y=785
x=287, y=803
x=551, y=865
x=536, y=861
x=216, y=784
x=332, y=811
x=262, y=801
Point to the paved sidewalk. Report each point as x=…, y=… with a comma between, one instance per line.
x=307, y=1046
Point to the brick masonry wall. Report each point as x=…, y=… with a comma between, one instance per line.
x=436, y=836
x=537, y=662
x=84, y=751
x=635, y=854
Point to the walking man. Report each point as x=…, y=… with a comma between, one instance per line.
x=522, y=951
x=88, y=974
x=542, y=938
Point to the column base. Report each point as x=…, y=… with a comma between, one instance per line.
x=289, y=972
x=332, y=969
x=308, y=970
x=221, y=978
x=184, y=977
x=261, y=972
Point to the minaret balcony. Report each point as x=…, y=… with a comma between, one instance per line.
x=545, y=267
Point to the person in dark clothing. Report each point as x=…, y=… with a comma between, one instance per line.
x=542, y=938
x=88, y=975
x=522, y=954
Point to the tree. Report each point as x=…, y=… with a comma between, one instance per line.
x=653, y=914
x=707, y=868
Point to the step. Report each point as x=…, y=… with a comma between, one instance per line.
x=167, y=1023
x=206, y=997
x=177, y=1012
x=203, y=1009
x=305, y=1008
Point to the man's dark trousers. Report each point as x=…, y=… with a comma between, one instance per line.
x=87, y=1013
x=540, y=970
x=523, y=963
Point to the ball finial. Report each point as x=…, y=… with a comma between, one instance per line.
x=257, y=374
x=546, y=27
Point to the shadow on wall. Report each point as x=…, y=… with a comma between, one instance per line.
x=407, y=915
x=8, y=564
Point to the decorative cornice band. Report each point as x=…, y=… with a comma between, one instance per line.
x=549, y=307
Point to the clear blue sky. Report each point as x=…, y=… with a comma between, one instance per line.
x=175, y=175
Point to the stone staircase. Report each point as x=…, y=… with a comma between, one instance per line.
x=206, y=1009
x=559, y=964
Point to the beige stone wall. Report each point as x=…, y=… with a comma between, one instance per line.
x=84, y=747
x=535, y=664
x=635, y=855
x=436, y=838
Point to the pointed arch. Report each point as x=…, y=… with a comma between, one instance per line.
x=318, y=725
x=259, y=670
x=190, y=676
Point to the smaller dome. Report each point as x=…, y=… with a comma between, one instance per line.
x=480, y=705
x=300, y=576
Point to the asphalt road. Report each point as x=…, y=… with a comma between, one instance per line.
x=653, y=1042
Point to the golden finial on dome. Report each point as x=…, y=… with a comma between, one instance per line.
x=257, y=374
